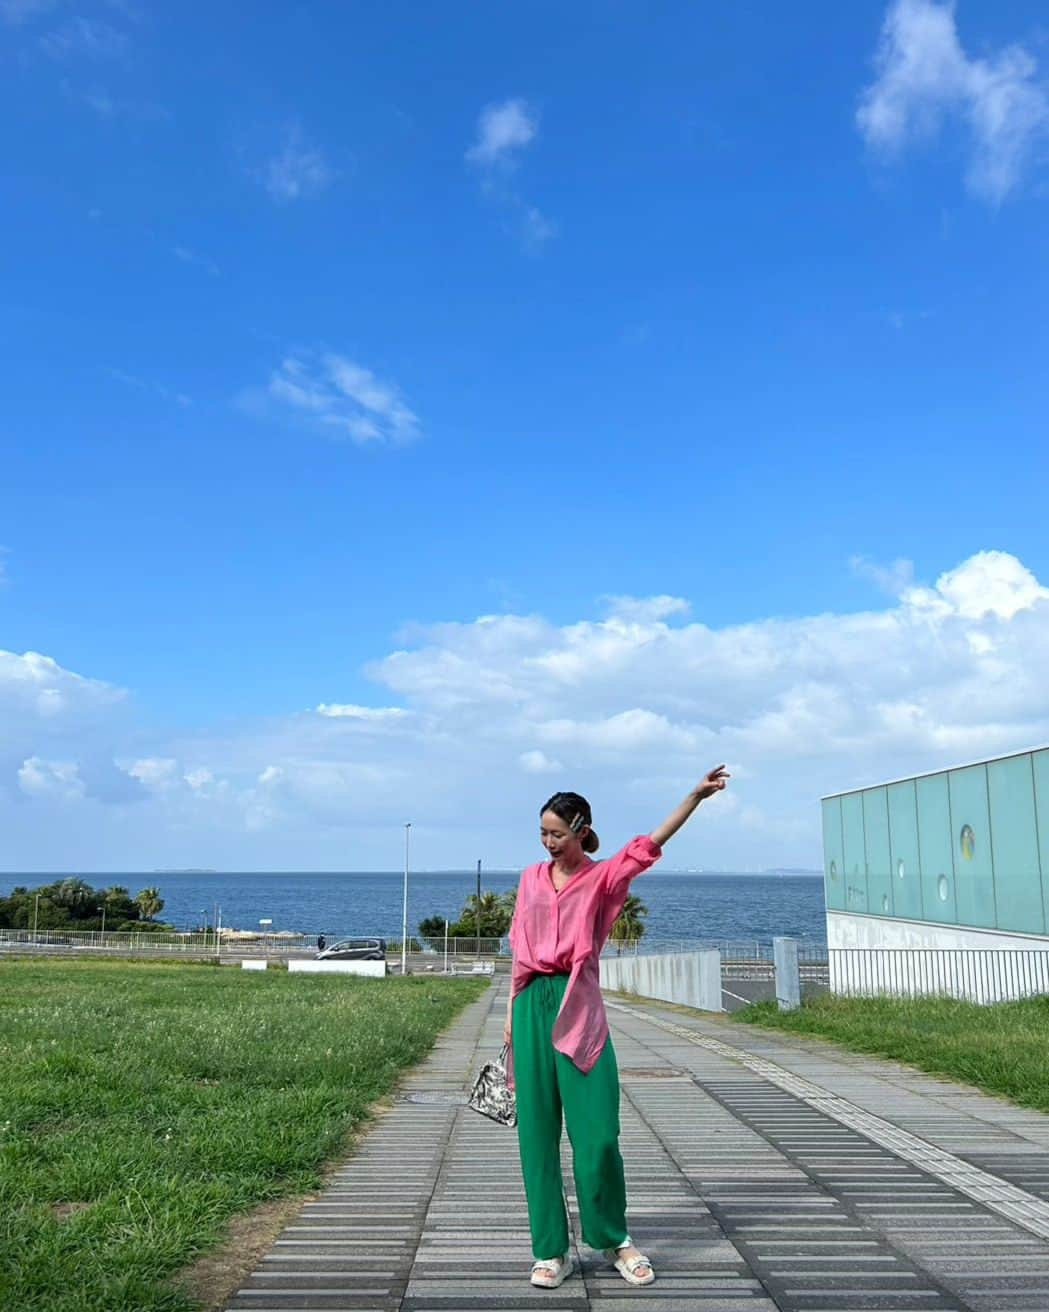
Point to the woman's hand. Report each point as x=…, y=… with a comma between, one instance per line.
x=713, y=782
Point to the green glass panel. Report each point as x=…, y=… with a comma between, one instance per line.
x=833, y=857
x=971, y=846
x=854, y=855
x=1014, y=845
x=1040, y=770
x=876, y=846
x=904, y=857
x=934, y=848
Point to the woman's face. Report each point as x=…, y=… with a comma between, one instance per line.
x=556, y=835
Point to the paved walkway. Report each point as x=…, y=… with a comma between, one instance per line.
x=764, y=1172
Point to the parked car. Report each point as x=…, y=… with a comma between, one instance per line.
x=355, y=949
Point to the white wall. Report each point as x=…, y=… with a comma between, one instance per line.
x=907, y=958
x=848, y=930
x=309, y=967
x=692, y=979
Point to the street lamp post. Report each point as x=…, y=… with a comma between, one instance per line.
x=36, y=914
x=404, y=917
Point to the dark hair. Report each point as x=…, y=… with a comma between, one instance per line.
x=574, y=810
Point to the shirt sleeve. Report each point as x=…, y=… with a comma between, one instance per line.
x=638, y=855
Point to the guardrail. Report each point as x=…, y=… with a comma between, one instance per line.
x=973, y=974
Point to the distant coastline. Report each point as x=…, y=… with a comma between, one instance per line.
x=184, y=870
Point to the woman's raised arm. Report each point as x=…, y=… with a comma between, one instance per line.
x=712, y=783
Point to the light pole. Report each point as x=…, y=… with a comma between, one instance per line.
x=204, y=928
x=478, y=911
x=404, y=917
x=36, y=914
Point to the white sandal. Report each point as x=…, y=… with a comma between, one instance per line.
x=627, y=1266
x=556, y=1271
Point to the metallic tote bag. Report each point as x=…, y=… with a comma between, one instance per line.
x=491, y=1095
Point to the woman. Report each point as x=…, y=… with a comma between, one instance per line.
x=562, y=1060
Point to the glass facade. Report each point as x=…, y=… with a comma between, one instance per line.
x=961, y=847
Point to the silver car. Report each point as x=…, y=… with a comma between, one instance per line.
x=355, y=949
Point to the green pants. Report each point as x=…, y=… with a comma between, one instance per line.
x=547, y=1084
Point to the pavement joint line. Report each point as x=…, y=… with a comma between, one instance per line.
x=990, y=1191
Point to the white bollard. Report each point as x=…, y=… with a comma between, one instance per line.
x=788, y=976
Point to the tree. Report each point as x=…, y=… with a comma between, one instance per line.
x=629, y=925
x=149, y=903
x=485, y=919
x=431, y=930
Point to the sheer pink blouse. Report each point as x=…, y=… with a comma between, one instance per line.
x=563, y=933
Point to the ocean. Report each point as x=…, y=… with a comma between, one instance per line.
x=680, y=906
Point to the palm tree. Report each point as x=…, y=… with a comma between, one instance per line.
x=629, y=925
x=149, y=903
x=488, y=918
x=508, y=902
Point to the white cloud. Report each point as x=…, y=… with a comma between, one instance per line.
x=298, y=169
x=991, y=583
x=59, y=779
x=630, y=709
x=501, y=130
x=154, y=772
x=340, y=396
x=365, y=714
x=924, y=77
x=893, y=579
x=35, y=688
x=89, y=37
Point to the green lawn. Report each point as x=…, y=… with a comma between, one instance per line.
x=1003, y=1049
x=168, y=1098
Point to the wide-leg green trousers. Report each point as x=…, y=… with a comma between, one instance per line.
x=548, y=1084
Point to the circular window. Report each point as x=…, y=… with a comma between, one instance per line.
x=834, y=872
x=899, y=867
x=967, y=842
x=943, y=888
x=885, y=902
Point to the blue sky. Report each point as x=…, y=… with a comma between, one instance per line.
x=331, y=330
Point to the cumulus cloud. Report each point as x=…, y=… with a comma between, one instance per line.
x=473, y=719
x=925, y=77
x=40, y=778
x=339, y=396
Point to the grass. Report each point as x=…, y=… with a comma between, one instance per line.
x=1003, y=1049
x=142, y=1106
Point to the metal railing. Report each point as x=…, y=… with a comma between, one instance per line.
x=973, y=974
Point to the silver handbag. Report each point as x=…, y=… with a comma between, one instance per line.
x=492, y=1095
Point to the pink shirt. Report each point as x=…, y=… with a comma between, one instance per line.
x=563, y=933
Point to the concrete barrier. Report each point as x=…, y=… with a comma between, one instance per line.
x=692, y=979
x=253, y=965
x=338, y=967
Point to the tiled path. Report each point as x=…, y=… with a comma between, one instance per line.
x=764, y=1172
